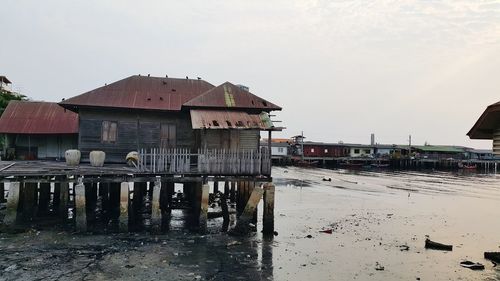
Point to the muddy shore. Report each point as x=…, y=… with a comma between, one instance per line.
x=378, y=220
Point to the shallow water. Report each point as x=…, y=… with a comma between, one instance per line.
x=371, y=213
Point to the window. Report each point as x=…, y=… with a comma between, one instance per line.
x=367, y=151
x=108, y=132
x=312, y=150
x=168, y=135
x=280, y=149
x=356, y=151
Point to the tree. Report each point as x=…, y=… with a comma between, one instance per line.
x=6, y=97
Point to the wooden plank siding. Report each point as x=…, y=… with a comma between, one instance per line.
x=135, y=130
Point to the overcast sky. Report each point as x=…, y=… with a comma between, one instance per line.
x=340, y=69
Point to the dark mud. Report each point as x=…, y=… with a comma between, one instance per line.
x=378, y=222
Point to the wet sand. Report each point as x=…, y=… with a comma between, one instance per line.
x=371, y=214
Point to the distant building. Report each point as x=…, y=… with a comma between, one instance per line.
x=5, y=84
x=439, y=152
x=487, y=127
x=360, y=150
x=38, y=130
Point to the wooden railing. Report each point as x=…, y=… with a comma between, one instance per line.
x=205, y=161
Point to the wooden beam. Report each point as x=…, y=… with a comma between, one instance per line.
x=12, y=203
x=268, y=216
x=243, y=223
x=80, y=207
x=155, y=207
x=124, y=202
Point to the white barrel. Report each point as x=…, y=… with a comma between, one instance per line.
x=72, y=157
x=496, y=142
x=97, y=158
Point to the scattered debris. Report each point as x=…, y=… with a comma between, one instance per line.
x=404, y=247
x=493, y=256
x=309, y=236
x=379, y=267
x=328, y=231
x=275, y=233
x=327, y=179
x=429, y=244
x=472, y=265
x=10, y=268
x=233, y=243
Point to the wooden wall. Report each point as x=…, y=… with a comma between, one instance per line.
x=136, y=129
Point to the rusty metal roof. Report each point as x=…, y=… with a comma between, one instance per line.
x=30, y=117
x=4, y=79
x=141, y=92
x=487, y=123
x=225, y=119
x=229, y=95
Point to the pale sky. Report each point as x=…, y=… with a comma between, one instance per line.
x=340, y=69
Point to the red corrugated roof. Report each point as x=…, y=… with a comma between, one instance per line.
x=225, y=119
x=142, y=92
x=30, y=117
x=228, y=95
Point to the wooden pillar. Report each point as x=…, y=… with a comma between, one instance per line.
x=80, y=207
x=2, y=192
x=114, y=200
x=44, y=199
x=56, y=198
x=12, y=203
x=137, y=201
x=63, y=199
x=251, y=187
x=232, y=195
x=268, y=216
x=226, y=189
x=104, y=198
x=124, y=200
x=240, y=194
x=216, y=187
x=205, y=189
x=155, y=207
x=242, y=225
x=29, y=200
x=91, y=201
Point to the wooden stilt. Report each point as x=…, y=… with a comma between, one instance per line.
x=216, y=187
x=80, y=207
x=63, y=199
x=12, y=203
x=268, y=216
x=242, y=225
x=56, y=198
x=225, y=212
x=114, y=200
x=44, y=199
x=91, y=201
x=137, y=201
x=251, y=187
x=2, y=192
x=104, y=197
x=155, y=207
x=29, y=200
x=124, y=200
x=232, y=195
x=205, y=189
x=226, y=189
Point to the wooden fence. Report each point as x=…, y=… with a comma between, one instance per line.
x=205, y=161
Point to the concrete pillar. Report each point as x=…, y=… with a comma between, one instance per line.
x=124, y=202
x=205, y=189
x=80, y=207
x=268, y=216
x=12, y=203
x=155, y=207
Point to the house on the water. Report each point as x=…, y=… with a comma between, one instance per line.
x=37, y=130
x=487, y=127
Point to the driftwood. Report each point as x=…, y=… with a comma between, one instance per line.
x=494, y=256
x=437, y=246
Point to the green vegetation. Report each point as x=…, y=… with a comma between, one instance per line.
x=6, y=96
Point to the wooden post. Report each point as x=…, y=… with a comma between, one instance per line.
x=114, y=200
x=242, y=225
x=12, y=203
x=44, y=199
x=251, y=187
x=268, y=216
x=124, y=199
x=63, y=199
x=216, y=187
x=29, y=200
x=80, y=207
x=2, y=192
x=226, y=189
x=205, y=189
x=56, y=198
x=232, y=195
x=137, y=200
x=155, y=207
x=91, y=201
x=104, y=196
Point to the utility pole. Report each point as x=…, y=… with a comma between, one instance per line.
x=409, y=145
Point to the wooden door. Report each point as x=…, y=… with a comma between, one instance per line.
x=168, y=135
